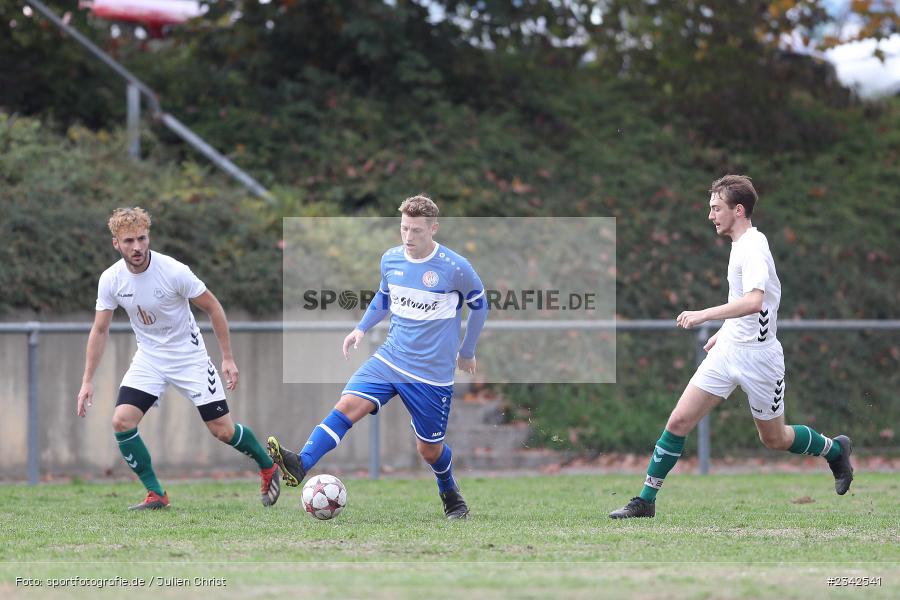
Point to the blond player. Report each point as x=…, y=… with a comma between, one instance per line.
x=156, y=291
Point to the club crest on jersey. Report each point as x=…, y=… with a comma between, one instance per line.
x=158, y=293
x=430, y=279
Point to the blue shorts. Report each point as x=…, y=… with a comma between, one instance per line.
x=429, y=405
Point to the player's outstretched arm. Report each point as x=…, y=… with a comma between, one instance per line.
x=478, y=312
x=375, y=312
x=209, y=304
x=466, y=365
x=711, y=342
x=354, y=338
x=95, y=346
x=748, y=304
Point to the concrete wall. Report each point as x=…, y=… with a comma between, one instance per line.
x=176, y=436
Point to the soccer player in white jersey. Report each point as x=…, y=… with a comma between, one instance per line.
x=155, y=291
x=424, y=286
x=744, y=352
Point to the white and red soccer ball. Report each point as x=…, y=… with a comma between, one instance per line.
x=324, y=496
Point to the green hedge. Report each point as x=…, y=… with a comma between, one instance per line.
x=837, y=382
x=56, y=194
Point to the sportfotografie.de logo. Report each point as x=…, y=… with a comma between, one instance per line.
x=505, y=300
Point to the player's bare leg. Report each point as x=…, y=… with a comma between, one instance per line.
x=126, y=417
x=222, y=428
x=774, y=434
x=693, y=405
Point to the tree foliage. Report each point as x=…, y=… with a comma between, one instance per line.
x=43, y=72
x=724, y=64
x=56, y=193
x=727, y=65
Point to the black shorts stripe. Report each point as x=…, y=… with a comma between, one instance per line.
x=213, y=410
x=143, y=400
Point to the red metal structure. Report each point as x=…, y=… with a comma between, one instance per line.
x=152, y=15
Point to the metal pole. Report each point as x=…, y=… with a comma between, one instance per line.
x=374, y=446
x=703, y=433
x=212, y=154
x=133, y=121
x=34, y=447
x=375, y=340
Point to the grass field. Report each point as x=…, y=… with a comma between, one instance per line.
x=724, y=536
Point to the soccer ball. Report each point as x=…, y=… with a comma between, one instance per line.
x=324, y=497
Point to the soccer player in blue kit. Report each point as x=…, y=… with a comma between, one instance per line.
x=424, y=286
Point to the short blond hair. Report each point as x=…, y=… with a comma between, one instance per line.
x=420, y=206
x=128, y=219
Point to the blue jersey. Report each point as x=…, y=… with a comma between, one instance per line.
x=426, y=298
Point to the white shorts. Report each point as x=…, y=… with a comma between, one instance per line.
x=194, y=376
x=759, y=370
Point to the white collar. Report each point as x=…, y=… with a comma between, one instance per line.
x=421, y=260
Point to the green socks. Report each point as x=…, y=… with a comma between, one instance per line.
x=244, y=440
x=138, y=458
x=669, y=447
x=664, y=457
x=809, y=441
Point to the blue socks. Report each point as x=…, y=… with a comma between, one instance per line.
x=329, y=433
x=443, y=470
x=325, y=438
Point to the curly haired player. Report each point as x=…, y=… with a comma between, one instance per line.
x=155, y=291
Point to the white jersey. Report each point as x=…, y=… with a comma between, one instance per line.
x=157, y=302
x=751, y=267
